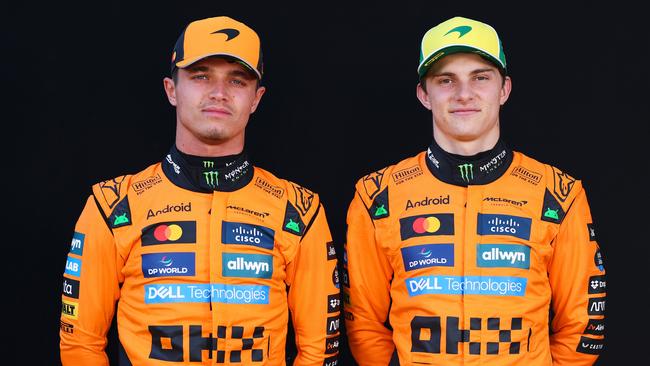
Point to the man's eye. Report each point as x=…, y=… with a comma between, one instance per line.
x=200, y=77
x=482, y=77
x=238, y=82
x=445, y=81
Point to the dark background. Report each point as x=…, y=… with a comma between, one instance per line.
x=83, y=102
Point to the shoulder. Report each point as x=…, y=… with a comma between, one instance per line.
x=560, y=187
x=111, y=195
x=373, y=184
x=302, y=204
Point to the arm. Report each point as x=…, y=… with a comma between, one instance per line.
x=577, y=302
x=316, y=323
x=367, y=301
x=90, y=289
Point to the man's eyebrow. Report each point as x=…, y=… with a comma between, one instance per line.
x=473, y=72
x=242, y=74
x=197, y=68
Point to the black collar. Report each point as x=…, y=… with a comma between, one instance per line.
x=199, y=174
x=482, y=168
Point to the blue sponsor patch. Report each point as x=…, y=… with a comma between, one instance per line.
x=77, y=244
x=428, y=255
x=247, y=234
x=216, y=292
x=503, y=255
x=247, y=265
x=73, y=267
x=167, y=264
x=468, y=285
x=495, y=224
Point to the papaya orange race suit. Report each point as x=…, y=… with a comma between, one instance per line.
x=206, y=258
x=464, y=260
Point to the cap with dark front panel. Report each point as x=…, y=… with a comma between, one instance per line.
x=460, y=35
x=218, y=36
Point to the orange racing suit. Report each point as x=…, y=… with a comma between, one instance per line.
x=459, y=261
x=206, y=258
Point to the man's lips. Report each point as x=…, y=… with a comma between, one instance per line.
x=464, y=111
x=216, y=111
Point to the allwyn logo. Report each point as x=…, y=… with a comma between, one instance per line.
x=503, y=255
x=247, y=265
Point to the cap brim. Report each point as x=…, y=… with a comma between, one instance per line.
x=445, y=51
x=185, y=63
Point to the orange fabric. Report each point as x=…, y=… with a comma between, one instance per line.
x=432, y=273
x=159, y=264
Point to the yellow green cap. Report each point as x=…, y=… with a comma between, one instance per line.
x=460, y=35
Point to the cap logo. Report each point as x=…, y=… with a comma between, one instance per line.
x=462, y=30
x=231, y=33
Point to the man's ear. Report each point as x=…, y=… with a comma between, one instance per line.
x=170, y=90
x=422, y=95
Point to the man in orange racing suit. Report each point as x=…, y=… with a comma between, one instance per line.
x=205, y=254
x=457, y=255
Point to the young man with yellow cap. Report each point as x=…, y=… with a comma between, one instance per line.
x=205, y=254
x=470, y=253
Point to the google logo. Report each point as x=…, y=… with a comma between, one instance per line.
x=429, y=224
x=171, y=232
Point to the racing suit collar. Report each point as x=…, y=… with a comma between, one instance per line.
x=482, y=168
x=207, y=174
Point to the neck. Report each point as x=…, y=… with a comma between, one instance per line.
x=466, y=147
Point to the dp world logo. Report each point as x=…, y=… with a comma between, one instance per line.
x=428, y=255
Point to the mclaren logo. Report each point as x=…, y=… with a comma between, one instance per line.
x=462, y=30
x=229, y=32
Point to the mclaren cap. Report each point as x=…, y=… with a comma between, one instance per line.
x=460, y=35
x=218, y=36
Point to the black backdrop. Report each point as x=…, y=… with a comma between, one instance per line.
x=83, y=102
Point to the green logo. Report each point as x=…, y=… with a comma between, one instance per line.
x=381, y=211
x=122, y=219
x=551, y=214
x=293, y=226
x=208, y=164
x=466, y=172
x=211, y=178
x=462, y=30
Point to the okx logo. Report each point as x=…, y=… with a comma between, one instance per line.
x=426, y=225
x=247, y=234
x=177, y=232
x=495, y=224
x=466, y=172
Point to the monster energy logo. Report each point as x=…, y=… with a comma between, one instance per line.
x=208, y=164
x=211, y=178
x=466, y=172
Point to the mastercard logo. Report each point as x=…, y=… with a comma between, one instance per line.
x=171, y=232
x=429, y=224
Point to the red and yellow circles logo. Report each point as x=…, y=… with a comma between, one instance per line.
x=423, y=225
x=165, y=232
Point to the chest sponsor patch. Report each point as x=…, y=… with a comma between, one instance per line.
x=215, y=292
x=70, y=288
x=247, y=234
x=496, y=224
x=428, y=255
x=73, y=267
x=426, y=225
x=468, y=285
x=503, y=255
x=77, y=243
x=168, y=264
x=173, y=232
x=247, y=265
